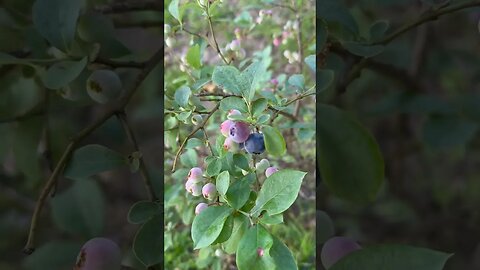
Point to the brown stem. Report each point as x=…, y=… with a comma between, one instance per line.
x=191, y=134
x=143, y=169
x=217, y=48
x=118, y=106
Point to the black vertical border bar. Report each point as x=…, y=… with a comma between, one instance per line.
x=317, y=171
x=162, y=136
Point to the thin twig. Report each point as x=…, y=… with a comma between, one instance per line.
x=209, y=18
x=128, y=6
x=122, y=116
x=191, y=134
x=206, y=140
x=426, y=17
x=118, y=106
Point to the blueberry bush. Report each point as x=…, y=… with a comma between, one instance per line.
x=239, y=135
x=81, y=85
x=396, y=127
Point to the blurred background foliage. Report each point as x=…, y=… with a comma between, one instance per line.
x=419, y=95
x=298, y=229
x=36, y=124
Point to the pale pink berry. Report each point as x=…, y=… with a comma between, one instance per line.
x=285, y=34
x=200, y=207
x=235, y=45
x=274, y=81
x=234, y=112
x=277, y=41
x=270, y=170
x=195, y=174
x=260, y=252
x=209, y=191
x=225, y=127
x=230, y=145
x=195, y=189
x=99, y=253
x=189, y=184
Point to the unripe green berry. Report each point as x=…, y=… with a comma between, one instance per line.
x=196, y=119
x=104, y=85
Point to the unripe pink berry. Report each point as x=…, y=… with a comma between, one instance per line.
x=260, y=252
x=336, y=248
x=239, y=132
x=234, y=112
x=274, y=81
x=195, y=189
x=285, y=34
x=277, y=41
x=200, y=207
x=99, y=254
x=270, y=170
x=235, y=45
x=189, y=184
x=195, y=174
x=230, y=145
x=225, y=127
x=209, y=191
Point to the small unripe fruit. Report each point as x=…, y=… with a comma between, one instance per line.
x=336, y=248
x=225, y=127
x=209, y=191
x=241, y=54
x=277, y=41
x=99, y=254
x=270, y=170
x=230, y=145
x=234, y=112
x=235, y=45
x=104, y=85
x=239, y=132
x=262, y=165
x=219, y=253
x=200, y=207
x=287, y=54
x=274, y=81
x=238, y=33
x=170, y=42
x=197, y=119
x=195, y=189
x=167, y=29
x=285, y=35
x=260, y=252
x=189, y=184
x=255, y=144
x=195, y=174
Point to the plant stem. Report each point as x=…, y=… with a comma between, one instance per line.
x=177, y=155
x=217, y=48
x=122, y=117
x=118, y=106
x=206, y=140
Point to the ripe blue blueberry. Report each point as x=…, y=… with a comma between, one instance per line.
x=255, y=144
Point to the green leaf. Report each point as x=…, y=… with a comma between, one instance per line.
x=173, y=9
x=236, y=103
x=350, y=160
x=252, y=75
x=259, y=106
x=56, y=21
x=274, y=141
x=325, y=79
x=298, y=81
x=99, y=28
x=226, y=231
x=148, y=242
x=335, y=11
x=311, y=62
x=214, y=167
x=207, y=225
x=393, y=257
x=324, y=221
x=263, y=119
x=363, y=50
x=194, y=142
x=378, y=29
x=228, y=78
x=240, y=225
x=80, y=209
x=282, y=256
x=238, y=193
x=65, y=256
x=62, y=73
x=241, y=161
x=222, y=182
x=272, y=219
x=247, y=256
x=189, y=158
x=92, y=159
x=193, y=56
x=182, y=96
x=448, y=131
x=278, y=192
x=142, y=211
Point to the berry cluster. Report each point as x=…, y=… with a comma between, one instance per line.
x=194, y=184
x=239, y=136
